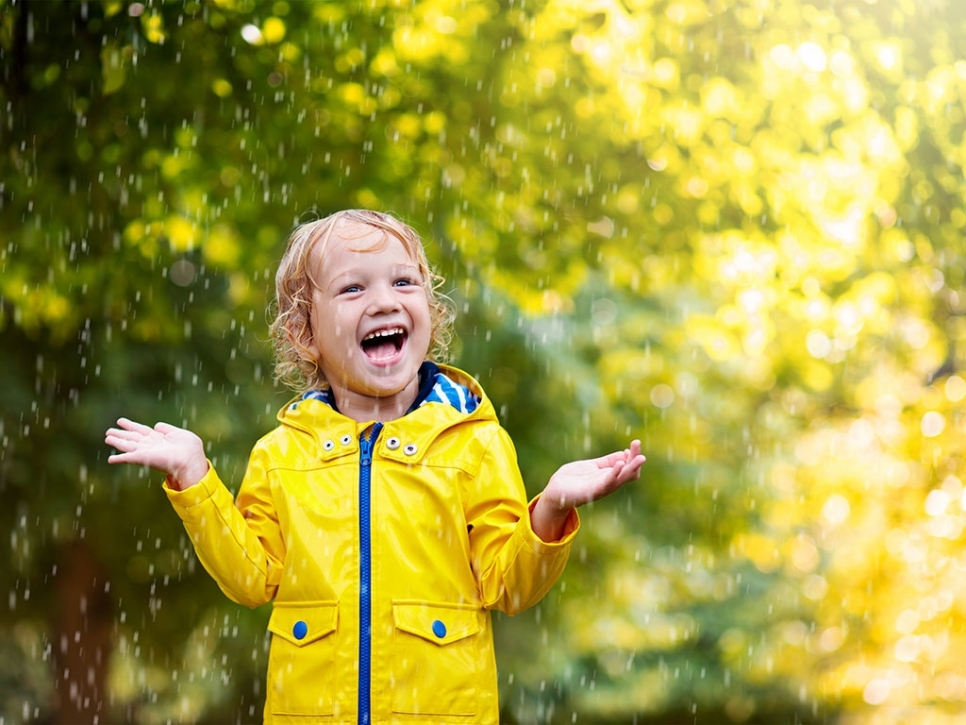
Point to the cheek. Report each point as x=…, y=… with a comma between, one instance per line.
x=428, y=317
x=338, y=342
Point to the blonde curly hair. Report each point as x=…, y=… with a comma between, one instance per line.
x=296, y=366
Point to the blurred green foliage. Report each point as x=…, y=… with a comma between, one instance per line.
x=732, y=228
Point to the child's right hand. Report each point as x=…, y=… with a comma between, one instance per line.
x=174, y=451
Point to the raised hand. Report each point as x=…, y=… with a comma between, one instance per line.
x=166, y=448
x=580, y=482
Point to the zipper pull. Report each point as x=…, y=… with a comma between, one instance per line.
x=366, y=444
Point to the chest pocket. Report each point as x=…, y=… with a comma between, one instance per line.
x=301, y=662
x=439, y=656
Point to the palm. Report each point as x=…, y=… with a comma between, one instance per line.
x=175, y=451
x=580, y=482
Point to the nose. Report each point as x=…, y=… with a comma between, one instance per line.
x=383, y=299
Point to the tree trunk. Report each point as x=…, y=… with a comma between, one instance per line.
x=82, y=636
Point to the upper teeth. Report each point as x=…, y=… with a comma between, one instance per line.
x=384, y=333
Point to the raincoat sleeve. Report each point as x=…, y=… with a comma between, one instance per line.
x=239, y=545
x=514, y=567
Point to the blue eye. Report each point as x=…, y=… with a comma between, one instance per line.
x=403, y=283
x=351, y=288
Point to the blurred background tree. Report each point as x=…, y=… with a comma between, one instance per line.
x=733, y=228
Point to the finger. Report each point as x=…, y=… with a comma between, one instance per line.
x=165, y=428
x=635, y=462
x=126, y=457
x=621, y=477
x=115, y=438
x=133, y=426
x=636, y=465
x=611, y=459
x=125, y=445
x=623, y=473
x=631, y=470
x=113, y=435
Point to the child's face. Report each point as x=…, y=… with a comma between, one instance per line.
x=371, y=323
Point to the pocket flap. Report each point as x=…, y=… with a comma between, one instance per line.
x=437, y=623
x=303, y=623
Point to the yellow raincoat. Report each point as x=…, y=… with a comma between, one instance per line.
x=383, y=547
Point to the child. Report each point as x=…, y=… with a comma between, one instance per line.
x=385, y=515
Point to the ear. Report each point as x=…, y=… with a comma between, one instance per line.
x=301, y=338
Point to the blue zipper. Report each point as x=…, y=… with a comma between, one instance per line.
x=365, y=572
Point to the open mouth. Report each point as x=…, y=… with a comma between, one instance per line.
x=384, y=344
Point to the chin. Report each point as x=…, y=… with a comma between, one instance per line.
x=392, y=384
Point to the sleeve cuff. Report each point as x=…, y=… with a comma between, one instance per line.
x=193, y=495
x=571, y=527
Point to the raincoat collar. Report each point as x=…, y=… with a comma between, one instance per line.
x=435, y=386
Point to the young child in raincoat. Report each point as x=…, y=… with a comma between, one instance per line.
x=385, y=516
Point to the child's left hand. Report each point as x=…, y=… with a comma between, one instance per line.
x=580, y=482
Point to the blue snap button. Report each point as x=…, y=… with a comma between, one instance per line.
x=439, y=629
x=300, y=629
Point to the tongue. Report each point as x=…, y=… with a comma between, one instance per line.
x=381, y=350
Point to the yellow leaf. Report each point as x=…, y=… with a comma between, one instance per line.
x=181, y=233
x=273, y=31
x=153, y=27
x=113, y=70
x=221, y=246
